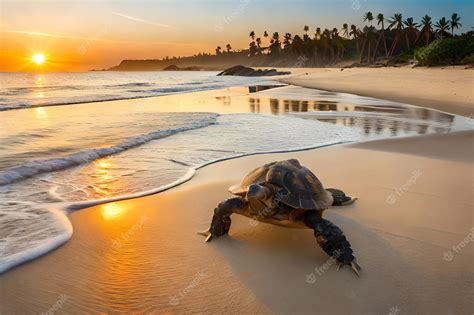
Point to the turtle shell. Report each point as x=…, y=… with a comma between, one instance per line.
x=295, y=185
x=257, y=176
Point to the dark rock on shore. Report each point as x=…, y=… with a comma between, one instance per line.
x=249, y=72
x=176, y=68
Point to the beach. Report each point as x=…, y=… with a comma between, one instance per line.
x=411, y=229
x=143, y=255
x=447, y=89
x=237, y=157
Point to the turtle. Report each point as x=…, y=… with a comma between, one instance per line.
x=285, y=193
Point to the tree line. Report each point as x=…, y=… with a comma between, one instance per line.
x=388, y=38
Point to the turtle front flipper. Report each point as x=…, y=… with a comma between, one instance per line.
x=332, y=241
x=221, y=221
x=340, y=198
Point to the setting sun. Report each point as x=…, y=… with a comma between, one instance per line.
x=38, y=59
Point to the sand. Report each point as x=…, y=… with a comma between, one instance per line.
x=449, y=89
x=143, y=255
x=411, y=229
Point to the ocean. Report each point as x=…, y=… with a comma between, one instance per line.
x=71, y=140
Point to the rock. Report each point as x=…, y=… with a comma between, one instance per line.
x=249, y=72
x=176, y=68
x=172, y=68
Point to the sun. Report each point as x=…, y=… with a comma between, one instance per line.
x=38, y=59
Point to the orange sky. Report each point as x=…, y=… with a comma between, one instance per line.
x=79, y=35
x=76, y=54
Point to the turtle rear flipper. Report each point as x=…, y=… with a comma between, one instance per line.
x=332, y=241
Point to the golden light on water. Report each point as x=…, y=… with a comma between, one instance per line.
x=38, y=59
x=103, y=163
x=111, y=211
x=41, y=113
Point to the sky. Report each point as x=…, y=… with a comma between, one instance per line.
x=94, y=34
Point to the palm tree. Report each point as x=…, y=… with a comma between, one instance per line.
x=326, y=43
x=426, y=30
x=345, y=30
x=409, y=23
x=265, y=34
x=276, y=37
x=368, y=36
x=368, y=17
x=297, y=45
x=411, y=29
x=287, y=40
x=218, y=50
x=381, y=20
x=259, y=43
x=228, y=47
x=355, y=33
x=442, y=27
x=252, y=35
x=275, y=44
x=454, y=23
x=306, y=29
x=337, y=43
x=396, y=24
x=253, y=49
x=317, y=35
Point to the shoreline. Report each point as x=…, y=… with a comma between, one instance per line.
x=139, y=246
x=64, y=209
x=77, y=205
x=446, y=89
x=401, y=84
x=115, y=249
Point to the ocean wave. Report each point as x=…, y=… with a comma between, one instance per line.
x=135, y=94
x=48, y=227
x=28, y=90
x=33, y=168
x=34, y=89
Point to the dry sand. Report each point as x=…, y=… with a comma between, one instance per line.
x=449, y=89
x=143, y=255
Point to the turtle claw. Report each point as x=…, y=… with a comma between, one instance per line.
x=354, y=266
x=207, y=233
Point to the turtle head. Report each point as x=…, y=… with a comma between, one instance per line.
x=259, y=196
x=339, y=197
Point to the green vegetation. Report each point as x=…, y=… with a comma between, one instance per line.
x=451, y=50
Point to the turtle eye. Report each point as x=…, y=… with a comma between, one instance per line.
x=253, y=190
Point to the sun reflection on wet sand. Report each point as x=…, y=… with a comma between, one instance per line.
x=41, y=113
x=111, y=211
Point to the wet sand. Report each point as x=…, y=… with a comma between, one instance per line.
x=142, y=255
x=449, y=89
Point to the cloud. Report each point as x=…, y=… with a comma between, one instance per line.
x=47, y=35
x=129, y=17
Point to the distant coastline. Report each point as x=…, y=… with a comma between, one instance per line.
x=402, y=41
